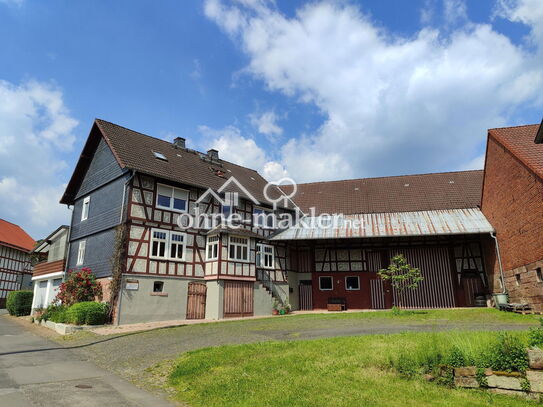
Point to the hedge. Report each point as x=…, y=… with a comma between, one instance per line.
x=19, y=302
x=88, y=312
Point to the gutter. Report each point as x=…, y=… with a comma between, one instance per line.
x=493, y=235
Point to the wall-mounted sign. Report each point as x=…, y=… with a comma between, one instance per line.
x=132, y=285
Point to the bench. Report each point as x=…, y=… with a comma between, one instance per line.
x=336, y=304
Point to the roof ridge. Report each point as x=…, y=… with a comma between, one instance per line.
x=170, y=144
x=390, y=176
x=11, y=223
x=512, y=127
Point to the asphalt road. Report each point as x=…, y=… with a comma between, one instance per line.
x=35, y=371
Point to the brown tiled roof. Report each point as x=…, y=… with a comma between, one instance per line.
x=135, y=151
x=520, y=142
x=406, y=193
x=14, y=236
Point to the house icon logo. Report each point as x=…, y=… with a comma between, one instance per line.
x=228, y=194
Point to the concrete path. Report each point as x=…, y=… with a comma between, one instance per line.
x=37, y=372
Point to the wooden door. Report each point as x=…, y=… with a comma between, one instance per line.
x=306, y=295
x=472, y=286
x=196, y=301
x=238, y=299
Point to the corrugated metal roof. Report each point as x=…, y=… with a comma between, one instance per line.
x=421, y=223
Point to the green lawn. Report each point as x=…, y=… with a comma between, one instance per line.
x=348, y=371
x=483, y=315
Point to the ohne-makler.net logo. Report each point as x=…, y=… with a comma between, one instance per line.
x=285, y=214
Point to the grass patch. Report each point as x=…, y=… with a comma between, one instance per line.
x=348, y=371
x=486, y=315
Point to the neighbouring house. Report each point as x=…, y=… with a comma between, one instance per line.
x=49, y=273
x=15, y=259
x=513, y=203
x=130, y=192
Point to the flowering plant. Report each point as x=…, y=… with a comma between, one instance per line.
x=79, y=286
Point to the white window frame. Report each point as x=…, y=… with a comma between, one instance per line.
x=167, y=245
x=182, y=243
x=212, y=246
x=331, y=280
x=257, y=219
x=261, y=255
x=172, y=196
x=81, y=252
x=237, y=244
x=85, y=208
x=352, y=289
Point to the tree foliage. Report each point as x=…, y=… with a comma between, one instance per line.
x=401, y=275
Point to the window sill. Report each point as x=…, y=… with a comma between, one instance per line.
x=163, y=208
x=166, y=259
x=159, y=294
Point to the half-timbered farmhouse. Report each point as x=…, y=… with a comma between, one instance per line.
x=15, y=261
x=132, y=196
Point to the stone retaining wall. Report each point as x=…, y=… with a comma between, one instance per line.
x=528, y=385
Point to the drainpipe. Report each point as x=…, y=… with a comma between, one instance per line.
x=121, y=219
x=493, y=235
x=68, y=243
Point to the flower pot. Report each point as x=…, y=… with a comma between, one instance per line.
x=275, y=312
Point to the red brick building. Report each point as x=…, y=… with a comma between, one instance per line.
x=513, y=203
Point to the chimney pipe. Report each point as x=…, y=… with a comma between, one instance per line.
x=179, y=142
x=213, y=154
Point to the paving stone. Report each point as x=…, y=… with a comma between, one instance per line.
x=466, y=381
x=504, y=382
x=535, y=378
x=465, y=371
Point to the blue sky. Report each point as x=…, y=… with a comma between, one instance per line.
x=313, y=90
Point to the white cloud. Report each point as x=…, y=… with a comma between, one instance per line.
x=233, y=147
x=455, y=11
x=35, y=133
x=392, y=104
x=266, y=123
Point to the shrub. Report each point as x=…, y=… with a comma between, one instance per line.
x=19, y=302
x=80, y=286
x=90, y=313
x=508, y=353
x=456, y=357
x=55, y=313
x=535, y=336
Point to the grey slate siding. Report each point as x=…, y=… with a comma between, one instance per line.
x=104, y=182
x=104, y=209
x=103, y=168
x=98, y=252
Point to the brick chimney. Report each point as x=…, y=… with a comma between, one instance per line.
x=213, y=154
x=179, y=142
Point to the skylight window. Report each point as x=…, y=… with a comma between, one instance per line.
x=160, y=156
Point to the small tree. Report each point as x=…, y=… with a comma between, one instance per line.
x=79, y=286
x=401, y=275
